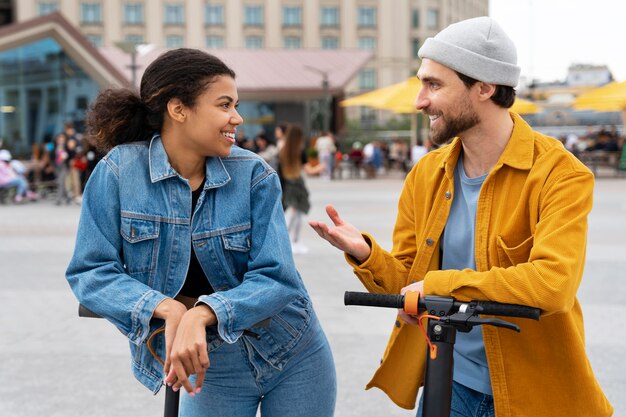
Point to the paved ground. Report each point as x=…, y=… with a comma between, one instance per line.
x=57, y=365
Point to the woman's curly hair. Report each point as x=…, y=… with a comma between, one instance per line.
x=121, y=115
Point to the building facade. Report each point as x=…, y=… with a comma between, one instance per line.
x=392, y=29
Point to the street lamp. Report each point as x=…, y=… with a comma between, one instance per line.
x=130, y=48
x=325, y=88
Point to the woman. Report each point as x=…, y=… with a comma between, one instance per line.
x=180, y=229
x=292, y=161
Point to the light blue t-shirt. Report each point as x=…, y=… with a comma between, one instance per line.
x=470, y=361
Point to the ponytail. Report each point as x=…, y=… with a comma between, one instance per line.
x=117, y=116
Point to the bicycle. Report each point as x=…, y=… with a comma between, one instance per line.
x=447, y=317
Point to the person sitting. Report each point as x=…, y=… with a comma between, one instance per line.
x=12, y=176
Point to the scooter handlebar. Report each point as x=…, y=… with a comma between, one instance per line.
x=482, y=307
x=373, y=300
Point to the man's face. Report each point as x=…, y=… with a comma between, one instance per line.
x=446, y=101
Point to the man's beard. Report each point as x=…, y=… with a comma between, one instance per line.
x=448, y=129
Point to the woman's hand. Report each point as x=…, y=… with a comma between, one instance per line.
x=189, y=351
x=172, y=312
x=343, y=236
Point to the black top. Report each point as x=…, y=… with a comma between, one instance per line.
x=196, y=283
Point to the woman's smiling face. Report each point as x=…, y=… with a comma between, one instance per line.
x=210, y=125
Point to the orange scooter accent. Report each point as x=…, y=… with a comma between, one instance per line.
x=411, y=299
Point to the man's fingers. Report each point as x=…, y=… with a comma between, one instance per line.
x=321, y=229
x=407, y=318
x=334, y=216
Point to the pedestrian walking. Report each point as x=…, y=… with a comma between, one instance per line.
x=498, y=214
x=296, y=202
x=326, y=148
x=182, y=244
x=62, y=157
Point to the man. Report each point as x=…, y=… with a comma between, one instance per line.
x=498, y=214
x=325, y=146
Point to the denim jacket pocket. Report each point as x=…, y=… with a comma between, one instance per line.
x=511, y=256
x=237, y=241
x=140, y=246
x=236, y=247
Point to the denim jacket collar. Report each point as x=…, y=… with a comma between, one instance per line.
x=160, y=168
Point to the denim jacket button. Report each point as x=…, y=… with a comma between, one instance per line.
x=397, y=323
x=429, y=242
x=448, y=195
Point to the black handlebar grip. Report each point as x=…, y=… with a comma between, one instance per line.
x=509, y=310
x=373, y=300
x=85, y=312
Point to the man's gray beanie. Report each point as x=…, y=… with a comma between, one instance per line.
x=476, y=47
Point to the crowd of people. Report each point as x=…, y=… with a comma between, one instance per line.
x=328, y=157
x=595, y=139
x=60, y=167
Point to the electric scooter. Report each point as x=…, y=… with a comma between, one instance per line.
x=446, y=317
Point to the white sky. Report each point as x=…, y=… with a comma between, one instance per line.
x=552, y=34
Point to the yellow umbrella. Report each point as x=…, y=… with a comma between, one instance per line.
x=521, y=106
x=388, y=97
x=399, y=98
x=610, y=97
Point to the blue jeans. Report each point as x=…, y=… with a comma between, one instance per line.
x=466, y=403
x=239, y=380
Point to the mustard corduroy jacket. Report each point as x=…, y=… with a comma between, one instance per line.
x=531, y=233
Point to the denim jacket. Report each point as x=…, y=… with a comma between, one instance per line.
x=134, y=243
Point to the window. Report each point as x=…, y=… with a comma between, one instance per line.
x=367, y=17
x=95, y=40
x=292, y=42
x=330, y=42
x=214, y=14
x=134, y=39
x=47, y=7
x=368, y=116
x=253, y=16
x=214, y=42
x=254, y=42
x=174, y=14
x=292, y=16
x=415, y=47
x=329, y=16
x=174, y=41
x=82, y=103
x=367, y=79
x=133, y=13
x=90, y=13
x=415, y=18
x=367, y=42
x=432, y=19
x=53, y=101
